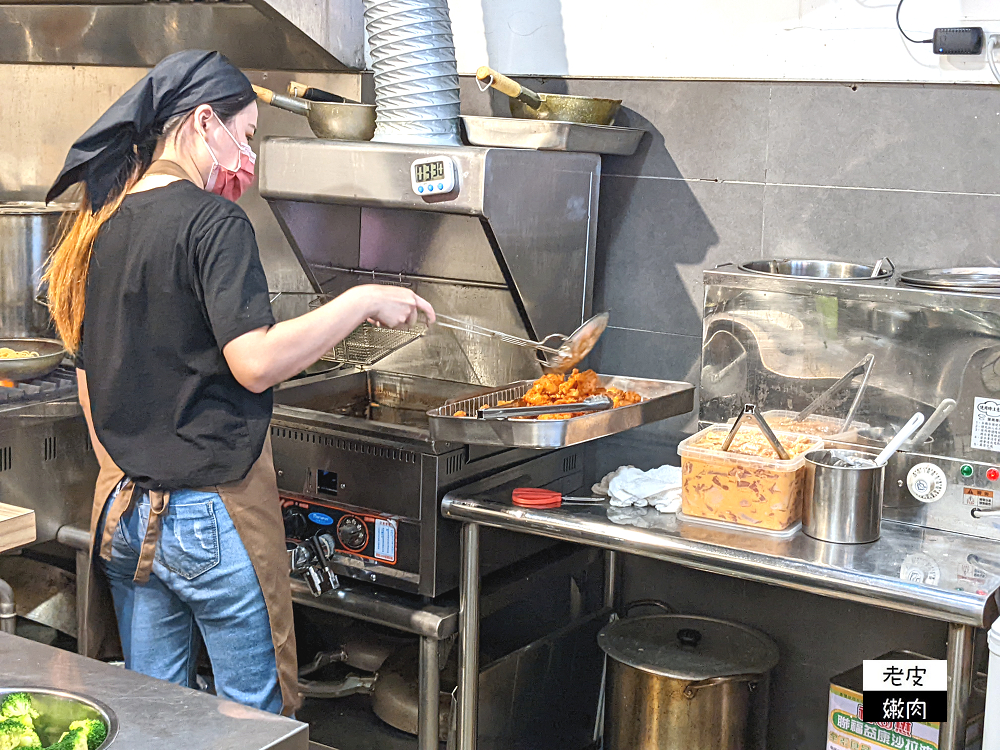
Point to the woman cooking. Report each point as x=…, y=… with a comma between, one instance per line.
x=158, y=290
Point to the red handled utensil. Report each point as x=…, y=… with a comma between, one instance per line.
x=532, y=497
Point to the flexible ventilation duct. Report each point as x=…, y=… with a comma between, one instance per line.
x=416, y=73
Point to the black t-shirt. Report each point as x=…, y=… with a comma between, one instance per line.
x=175, y=276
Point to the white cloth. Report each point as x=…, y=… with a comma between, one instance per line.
x=630, y=517
x=628, y=486
x=602, y=487
x=668, y=501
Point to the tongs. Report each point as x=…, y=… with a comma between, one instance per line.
x=864, y=366
x=561, y=352
x=750, y=410
x=589, y=404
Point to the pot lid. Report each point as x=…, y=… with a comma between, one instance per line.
x=684, y=647
x=985, y=279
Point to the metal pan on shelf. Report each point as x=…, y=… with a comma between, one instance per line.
x=551, y=135
x=661, y=399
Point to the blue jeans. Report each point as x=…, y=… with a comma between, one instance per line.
x=202, y=577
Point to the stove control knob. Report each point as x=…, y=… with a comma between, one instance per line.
x=295, y=523
x=352, y=533
x=927, y=482
x=326, y=544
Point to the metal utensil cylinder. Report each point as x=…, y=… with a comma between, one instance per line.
x=843, y=504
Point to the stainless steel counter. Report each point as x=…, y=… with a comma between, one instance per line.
x=881, y=573
x=940, y=575
x=152, y=715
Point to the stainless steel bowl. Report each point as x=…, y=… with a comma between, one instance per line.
x=50, y=354
x=820, y=269
x=59, y=708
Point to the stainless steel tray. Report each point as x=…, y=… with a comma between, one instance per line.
x=551, y=135
x=661, y=399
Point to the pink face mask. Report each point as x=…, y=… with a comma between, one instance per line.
x=230, y=183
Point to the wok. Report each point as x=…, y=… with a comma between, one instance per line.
x=334, y=121
x=50, y=356
x=529, y=105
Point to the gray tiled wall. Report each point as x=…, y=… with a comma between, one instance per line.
x=732, y=171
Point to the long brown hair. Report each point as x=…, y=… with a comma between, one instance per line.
x=69, y=264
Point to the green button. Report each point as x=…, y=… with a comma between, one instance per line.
x=966, y=470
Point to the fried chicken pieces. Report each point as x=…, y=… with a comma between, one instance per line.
x=569, y=389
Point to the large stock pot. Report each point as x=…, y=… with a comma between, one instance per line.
x=27, y=233
x=679, y=681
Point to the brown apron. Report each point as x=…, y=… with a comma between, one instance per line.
x=255, y=510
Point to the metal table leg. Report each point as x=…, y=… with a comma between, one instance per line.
x=468, y=629
x=959, y=686
x=610, y=578
x=428, y=713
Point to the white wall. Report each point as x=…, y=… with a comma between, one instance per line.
x=845, y=40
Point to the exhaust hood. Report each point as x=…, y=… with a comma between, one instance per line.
x=518, y=224
x=258, y=35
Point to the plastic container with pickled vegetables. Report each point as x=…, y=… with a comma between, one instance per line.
x=748, y=485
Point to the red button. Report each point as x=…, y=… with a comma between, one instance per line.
x=992, y=474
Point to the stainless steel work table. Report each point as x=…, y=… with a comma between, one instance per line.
x=152, y=714
x=918, y=571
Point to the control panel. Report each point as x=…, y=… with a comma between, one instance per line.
x=340, y=531
x=944, y=493
x=926, y=482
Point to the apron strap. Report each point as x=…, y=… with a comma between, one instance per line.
x=124, y=499
x=159, y=502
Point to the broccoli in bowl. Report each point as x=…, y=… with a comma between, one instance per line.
x=48, y=720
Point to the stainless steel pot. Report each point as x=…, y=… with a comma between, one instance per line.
x=822, y=269
x=27, y=234
x=842, y=504
x=678, y=681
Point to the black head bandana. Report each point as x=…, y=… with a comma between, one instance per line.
x=178, y=84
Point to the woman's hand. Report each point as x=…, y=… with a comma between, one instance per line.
x=265, y=357
x=392, y=306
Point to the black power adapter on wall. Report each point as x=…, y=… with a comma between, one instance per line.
x=960, y=41
x=963, y=40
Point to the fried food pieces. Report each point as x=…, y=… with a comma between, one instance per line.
x=555, y=389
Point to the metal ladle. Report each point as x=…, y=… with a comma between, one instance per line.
x=901, y=437
x=560, y=355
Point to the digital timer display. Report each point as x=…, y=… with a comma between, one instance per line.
x=433, y=170
x=433, y=176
